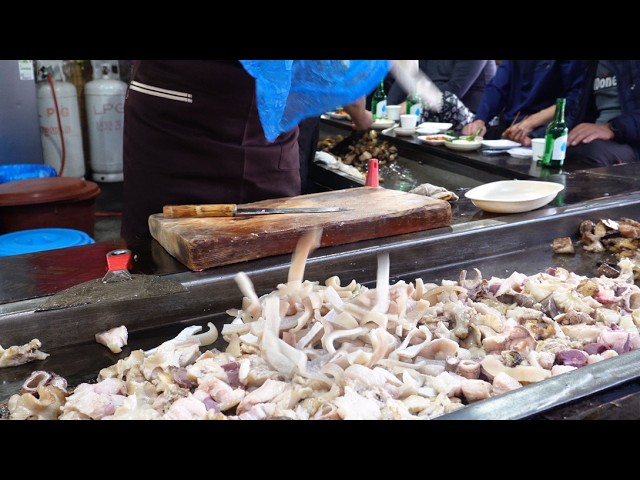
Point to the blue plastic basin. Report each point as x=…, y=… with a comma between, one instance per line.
x=22, y=171
x=40, y=239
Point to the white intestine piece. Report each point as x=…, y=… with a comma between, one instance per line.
x=21, y=354
x=114, y=339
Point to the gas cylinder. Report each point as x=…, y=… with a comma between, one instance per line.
x=69, y=113
x=104, y=100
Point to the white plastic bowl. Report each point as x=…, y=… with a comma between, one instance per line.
x=513, y=196
x=430, y=128
x=464, y=145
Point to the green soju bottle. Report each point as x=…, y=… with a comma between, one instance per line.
x=379, y=103
x=414, y=105
x=556, y=175
x=555, y=147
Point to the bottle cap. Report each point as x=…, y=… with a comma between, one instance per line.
x=372, y=173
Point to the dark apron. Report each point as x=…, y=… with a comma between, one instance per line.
x=192, y=135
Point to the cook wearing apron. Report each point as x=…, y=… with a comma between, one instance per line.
x=192, y=135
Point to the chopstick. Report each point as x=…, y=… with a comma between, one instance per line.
x=515, y=119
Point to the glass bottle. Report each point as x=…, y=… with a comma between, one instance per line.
x=556, y=175
x=555, y=147
x=379, y=103
x=414, y=105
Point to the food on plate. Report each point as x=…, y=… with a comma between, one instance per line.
x=339, y=114
x=113, y=339
x=463, y=143
x=562, y=245
x=18, y=355
x=437, y=138
x=464, y=139
x=403, y=350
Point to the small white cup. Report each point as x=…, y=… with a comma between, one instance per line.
x=408, y=120
x=393, y=112
x=537, y=148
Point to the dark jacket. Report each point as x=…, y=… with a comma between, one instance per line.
x=464, y=78
x=627, y=125
x=528, y=86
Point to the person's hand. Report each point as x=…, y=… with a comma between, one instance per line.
x=471, y=128
x=361, y=118
x=520, y=131
x=362, y=121
x=587, y=132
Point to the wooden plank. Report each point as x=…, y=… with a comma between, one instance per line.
x=201, y=243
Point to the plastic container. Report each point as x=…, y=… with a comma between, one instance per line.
x=56, y=202
x=23, y=171
x=40, y=239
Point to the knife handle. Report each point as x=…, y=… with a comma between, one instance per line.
x=199, y=211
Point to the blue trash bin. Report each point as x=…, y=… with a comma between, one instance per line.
x=22, y=171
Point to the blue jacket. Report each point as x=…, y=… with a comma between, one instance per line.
x=528, y=86
x=627, y=125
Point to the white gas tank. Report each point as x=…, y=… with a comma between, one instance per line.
x=69, y=113
x=104, y=100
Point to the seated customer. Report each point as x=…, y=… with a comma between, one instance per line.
x=605, y=126
x=525, y=91
x=438, y=105
x=464, y=78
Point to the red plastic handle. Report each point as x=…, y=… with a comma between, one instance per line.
x=118, y=260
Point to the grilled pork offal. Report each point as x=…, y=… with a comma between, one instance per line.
x=398, y=351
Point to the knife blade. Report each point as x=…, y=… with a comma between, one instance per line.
x=232, y=209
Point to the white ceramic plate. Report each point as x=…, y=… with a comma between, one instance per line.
x=428, y=128
x=437, y=139
x=464, y=145
x=520, y=152
x=404, y=131
x=382, y=124
x=500, y=144
x=513, y=196
x=338, y=116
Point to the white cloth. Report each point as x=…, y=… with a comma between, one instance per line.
x=433, y=191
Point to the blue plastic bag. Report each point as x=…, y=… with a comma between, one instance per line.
x=288, y=91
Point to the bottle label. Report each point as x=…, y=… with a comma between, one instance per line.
x=559, y=148
x=415, y=109
x=381, y=109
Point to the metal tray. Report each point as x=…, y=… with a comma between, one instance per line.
x=497, y=247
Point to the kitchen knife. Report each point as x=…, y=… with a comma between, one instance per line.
x=231, y=210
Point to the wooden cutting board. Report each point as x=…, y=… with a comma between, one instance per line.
x=201, y=243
